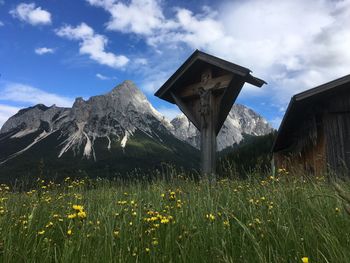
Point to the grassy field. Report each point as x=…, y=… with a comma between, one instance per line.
x=270, y=220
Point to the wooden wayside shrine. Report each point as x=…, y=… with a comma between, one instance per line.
x=205, y=88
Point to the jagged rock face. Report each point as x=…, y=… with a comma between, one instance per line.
x=185, y=130
x=31, y=119
x=240, y=120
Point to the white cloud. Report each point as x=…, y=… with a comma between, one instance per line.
x=154, y=80
x=141, y=61
x=103, y=77
x=169, y=112
x=31, y=14
x=44, y=50
x=275, y=122
x=18, y=92
x=293, y=44
x=140, y=16
x=6, y=112
x=1, y=23
x=92, y=44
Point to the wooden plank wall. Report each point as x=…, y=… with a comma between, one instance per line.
x=310, y=161
x=331, y=152
x=337, y=130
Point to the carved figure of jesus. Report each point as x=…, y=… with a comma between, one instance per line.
x=204, y=109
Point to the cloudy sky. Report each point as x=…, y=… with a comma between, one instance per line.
x=52, y=51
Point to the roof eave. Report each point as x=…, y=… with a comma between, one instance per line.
x=275, y=147
x=226, y=65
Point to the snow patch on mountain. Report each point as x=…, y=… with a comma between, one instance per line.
x=41, y=136
x=124, y=140
x=23, y=133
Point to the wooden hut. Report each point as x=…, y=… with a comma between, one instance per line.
x=314, y=135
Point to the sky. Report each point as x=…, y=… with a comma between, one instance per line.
x=52, y=51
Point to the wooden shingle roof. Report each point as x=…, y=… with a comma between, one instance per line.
x=193, y=65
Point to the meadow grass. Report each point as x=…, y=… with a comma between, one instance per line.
x=182, y=220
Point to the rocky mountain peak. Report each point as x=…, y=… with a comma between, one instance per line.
x=127, y=89
x=78, y=101
x=240, y=120
x=32, y=118
x=117, y=114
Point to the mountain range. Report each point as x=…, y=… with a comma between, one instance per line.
x=108, y=135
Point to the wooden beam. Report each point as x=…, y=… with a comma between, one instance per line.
x=183, y=107
x=228, y=98
x=208, y=141
x=219, y=83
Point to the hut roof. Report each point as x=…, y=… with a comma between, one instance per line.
x=193, y=67
x=300, y=104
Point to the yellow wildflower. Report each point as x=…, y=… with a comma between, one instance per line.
x=78, y=208
x=211, y=217
x=147, y=250
x=49, y=225
x=82, y=214
x=337, y=209
x=42, y=232
x=305, y=260
x=71, y=216
x=69, y=232
x=164, y=220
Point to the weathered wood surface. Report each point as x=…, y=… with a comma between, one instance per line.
x=218, y=83
x=208, y=135
x=308, y=155
x=322, y=139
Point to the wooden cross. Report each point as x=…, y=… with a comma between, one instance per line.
x=207, y=102
x=201, y=103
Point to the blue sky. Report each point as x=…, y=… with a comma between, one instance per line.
x=52, y=51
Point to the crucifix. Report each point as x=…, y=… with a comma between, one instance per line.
x=205, y=88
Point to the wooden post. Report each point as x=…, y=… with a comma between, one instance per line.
x=208, y=150
x=208, y=134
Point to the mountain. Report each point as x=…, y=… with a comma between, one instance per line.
x=240, y=120
x=108, y=135
x=103, y=136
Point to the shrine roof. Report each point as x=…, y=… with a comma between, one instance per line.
x=191, y=69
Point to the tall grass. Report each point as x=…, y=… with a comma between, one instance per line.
x=270, y=220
